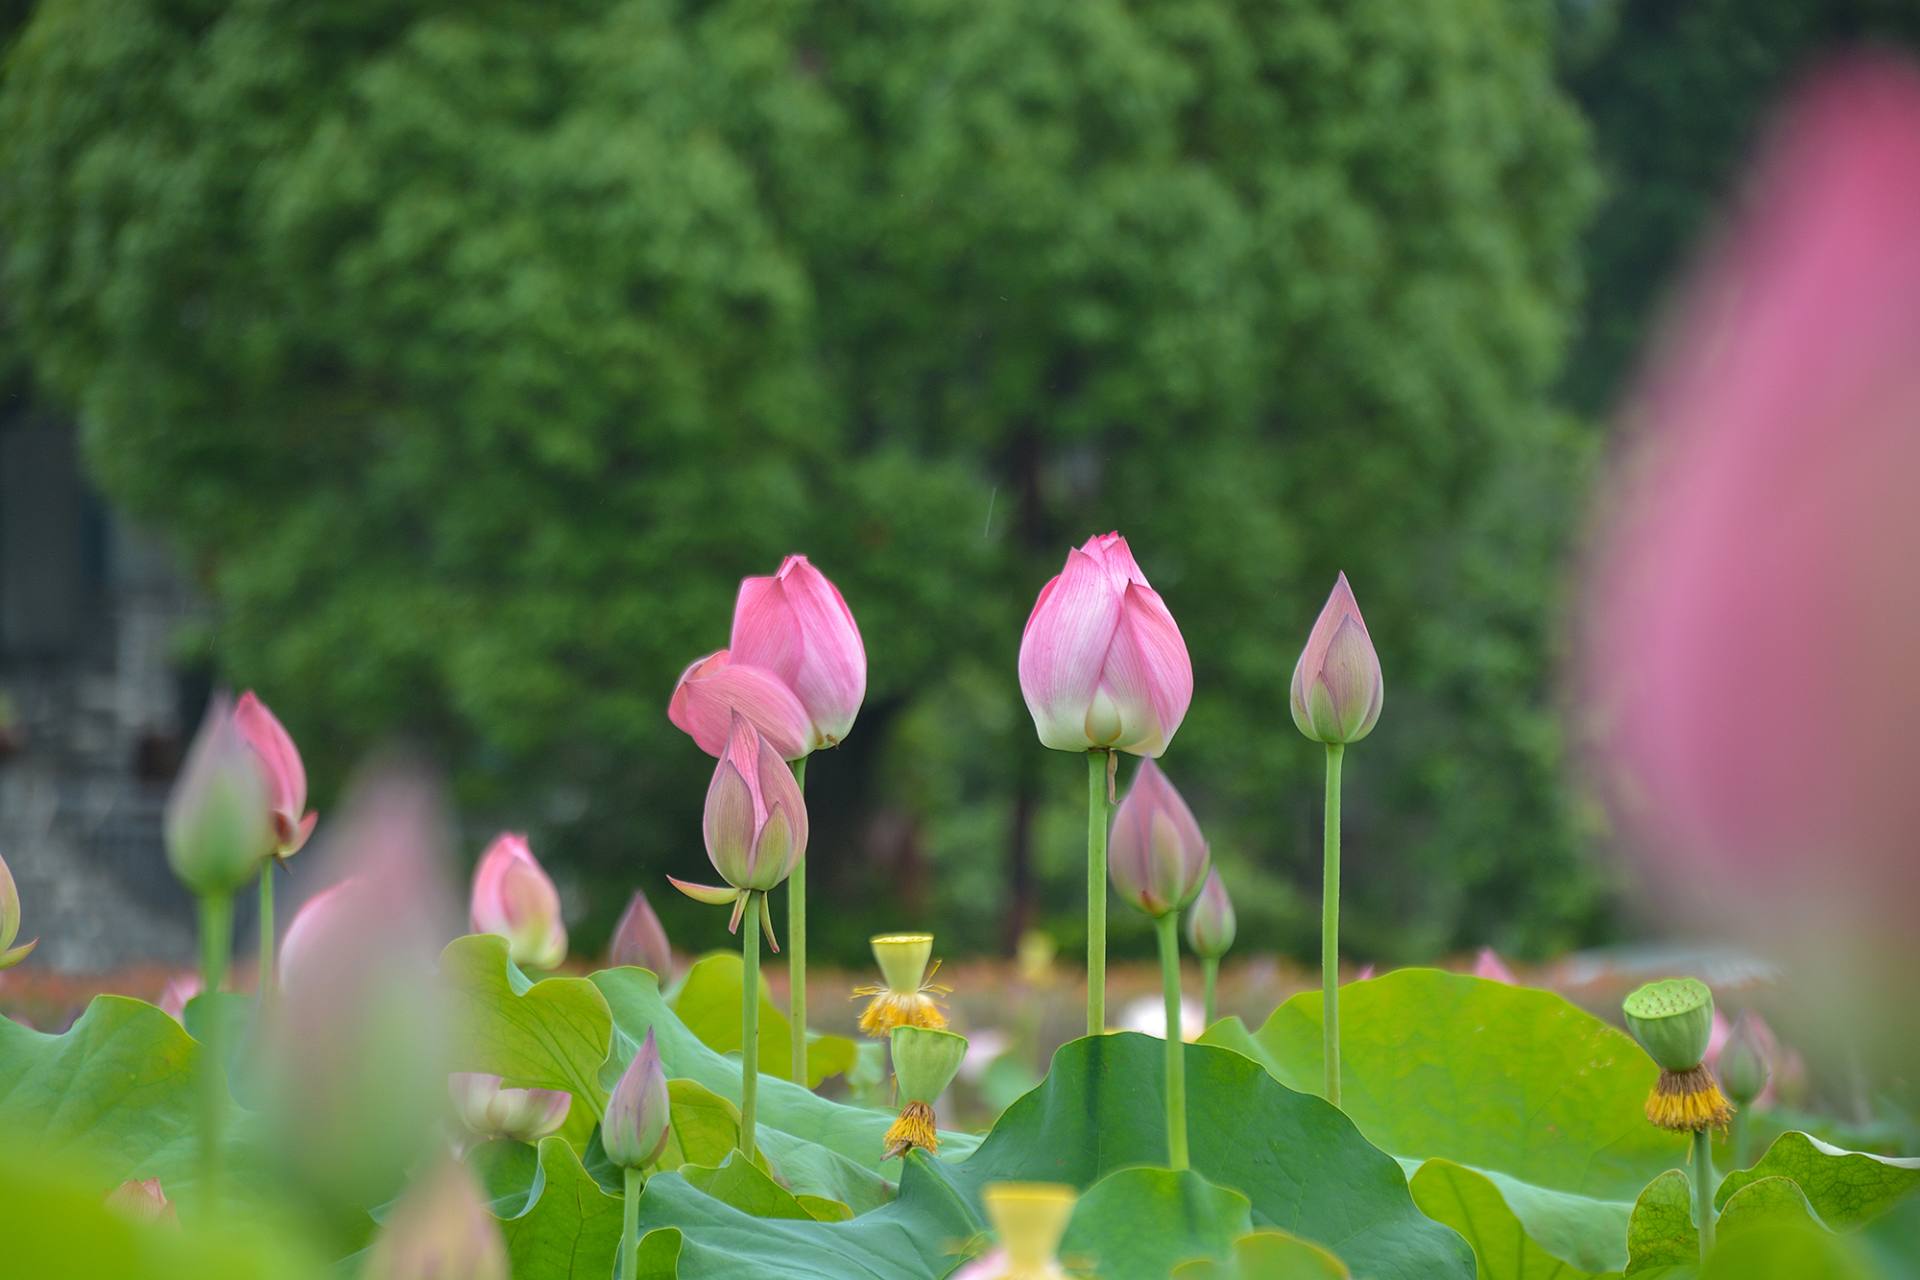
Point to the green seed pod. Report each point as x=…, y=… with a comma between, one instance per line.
x=1673, y=1021
x=925, y=1061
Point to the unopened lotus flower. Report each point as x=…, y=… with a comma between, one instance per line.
x=1210, y=920
x=174, y=996
x=513, y=897
x=1337, y=687
x=640, y=940
x=11, y=955
x=1029, y=1219
x=1746, y=1060
x=490, y=1110
x=716, y=688
x=908, y=997
x=219, y=820
x=755, y=822
x=142, y=1200
x=1488, y=964
x=796, y=625
x=286, y=776
x=1157, y=857
x=440, y=1229
x=1102, y=662
x=924, y=1063
x=635, y=1127
x=1673, y=1021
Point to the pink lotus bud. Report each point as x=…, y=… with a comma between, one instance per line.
x=1157, y=857
x=219, y=823
x=1337, y=687
x=491, y=1111
x=1744, y=1063
x=634, y=1127
x=1102, y=664
x=756, y=818
x=513, y=897
x=1210, y=922
x=440, y=1229
x=1490, y=966
x=716, y=688
x=639, y=940
x=286, y=776
x=180, y=988
x=796, y=625
x=142, y=1201
x=11, y=955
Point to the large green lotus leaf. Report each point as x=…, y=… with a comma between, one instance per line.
x=1300, y=1162
x=1661, y=1232
x=568, y=1228
x=1268, y=1255
x=1846, y=1188
x=1785, y=1251
x=750, y=1187
x=1471, y=1203
x=1138, y=1224
x=708, y=1002
x=1516, y=1083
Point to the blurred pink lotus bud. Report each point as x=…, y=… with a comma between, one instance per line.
x=490, y=1110
x=11, y=955
x=1744, y=1063
x=796, y=625
x=639, y=940
x=634, y=1128
x=1366, y=972
x=286, y=776
x=1488, y=964
x=439, y=1230
x=1337, y=687
x=756, y=818
x=219, y=822
x=1156, y=857
x=513, y=897
x=716, y=688
x=1210, y=921
x=142, y=1201
x=1102, y=664
x=180, y=988
x=1751, y=632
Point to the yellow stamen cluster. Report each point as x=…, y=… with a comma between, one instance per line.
x=1688, y=1101
x=889, y=1008
x=914, y=1128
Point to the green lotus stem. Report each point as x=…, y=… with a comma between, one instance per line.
x=1209, y=977
x=216, y=941
x=1330, y=928
x=1703, y=1188
x=1738, y=1144
x=1168, y=926
x=1097, y=761
x=266, y=984
x=630, y=1226
x=749, y=1020
x=797, y=950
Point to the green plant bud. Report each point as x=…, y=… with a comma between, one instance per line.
x=925, y=1061
x=1744, y=1068
x=1673, y=1021
x=219, y=820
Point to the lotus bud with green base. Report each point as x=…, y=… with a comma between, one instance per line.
x=1029, y=1219
x=924, y=1063
x=906, y=998
x=1673, y=1021
x=1745, y=1067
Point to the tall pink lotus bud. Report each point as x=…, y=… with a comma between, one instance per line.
x=1102, y=663
x=440, y=1229
x=286, y=775
x=796, y=625
x=142, y=1200
x=639, y=940
x=716, y=688
x=635, y=1126
x=513, y=897
x=11, y=955
x=756, y=819
x=219, y=822
x=174, y=996
x=1157, y=857
x=1210, y=920
x=1488, y=964
x=490, y=1110
x=1337, y=687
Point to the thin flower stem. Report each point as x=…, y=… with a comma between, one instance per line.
x=216, y=941
x=630, y=1226
x=266, y=984
x=1096, y=892
x=1737, y=1147
x=1330, y=928
x=749, y=1020
x=1168, y=926
x=1703, y=1188
x=1209, y=976
x=797, y=950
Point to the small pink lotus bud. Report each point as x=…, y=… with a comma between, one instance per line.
x=286, y=776
x=1745, y=1062
x=11, y=955
x=491, y=1111
x=180, y=988
x=513, y=897
x=796, y=625
x=634, y=1128
x=1102, y=663
x=142, y=1201
x=639, y=940
x=1337, y=687
x=716, y=688
x=219, y=822
x=756, y=819
x=1157, y=857
x=440, y=1229
x=1490, y=966
x=1210, y=921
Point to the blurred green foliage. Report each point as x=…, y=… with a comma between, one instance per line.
x=471, y=353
